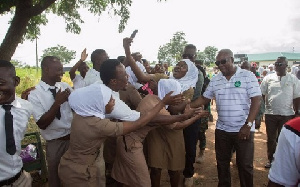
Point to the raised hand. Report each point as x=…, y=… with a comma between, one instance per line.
x=84, y=55
x=127, y=42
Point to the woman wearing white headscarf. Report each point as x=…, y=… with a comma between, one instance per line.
x=89, y=130
x=186, y=73
x=130, y=166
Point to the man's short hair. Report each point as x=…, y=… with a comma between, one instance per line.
x=47, y=60
x=7, y=64
x=283, y=58
x=108, y=70
x=190, y=46
x=226, y=51
x=96, y=53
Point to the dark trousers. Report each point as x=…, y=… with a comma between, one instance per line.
x=190, y=140
x=274, y=124
x=224, y=143
x=202, y=139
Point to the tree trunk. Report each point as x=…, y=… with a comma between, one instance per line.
x=14, y=34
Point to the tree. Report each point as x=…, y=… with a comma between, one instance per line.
x=171, y=52
x=210, y=54
x=61, y=52
x=28, y=15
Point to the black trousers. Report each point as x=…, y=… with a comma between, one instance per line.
x=274, y=125
x=190, y=140
x=224, y=144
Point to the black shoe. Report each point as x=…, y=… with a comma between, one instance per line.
x=268, y=165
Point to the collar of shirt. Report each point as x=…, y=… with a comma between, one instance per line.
x=46, y=86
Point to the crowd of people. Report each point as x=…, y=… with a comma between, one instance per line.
x=124, y=122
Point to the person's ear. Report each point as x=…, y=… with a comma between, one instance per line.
x=16, y=81
x=113, y=82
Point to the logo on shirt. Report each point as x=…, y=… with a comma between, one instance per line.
x=237, y=83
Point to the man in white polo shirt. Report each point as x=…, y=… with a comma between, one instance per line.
x=52, y=114
x=237, y=96
x=281, y=93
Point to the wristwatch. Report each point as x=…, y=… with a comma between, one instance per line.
x=249, y=124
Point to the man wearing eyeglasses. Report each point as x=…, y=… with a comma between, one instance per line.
x=281, y=93
x=237, y=96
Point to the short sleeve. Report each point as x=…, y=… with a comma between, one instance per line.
x=284, y=169
x=253, y=88
x=296, y=89
x=37, y=105
x=209, y=94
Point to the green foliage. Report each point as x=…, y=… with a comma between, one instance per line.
x=69, y=11
x=33, y=29
x=171, y=52
x=210, y=53
x=61, y=52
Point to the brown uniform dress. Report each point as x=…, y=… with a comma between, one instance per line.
x=165, y=147
x=77, y=166
x=130, y=166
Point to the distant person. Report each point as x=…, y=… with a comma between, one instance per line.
x=167, y=72
x=237, y=96
x=285, y=167
x=132, y=79
x=14, y=115
x=281, y=93
x=82, y=67
x=147, y=66
x=52, y=114
x=245, y=65
x=271, y=69
x=93, y=75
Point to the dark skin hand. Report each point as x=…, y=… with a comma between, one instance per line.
x=25, y=93
x=49, y=116
x=244, y=132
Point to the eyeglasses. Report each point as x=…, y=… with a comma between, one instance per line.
x=223, y=61
x=279, y=64
x=189, y=56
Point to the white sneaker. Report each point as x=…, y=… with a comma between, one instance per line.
x=200, y=158
x=188, y=182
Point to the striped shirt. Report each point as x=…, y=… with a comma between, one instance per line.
x=233, y=98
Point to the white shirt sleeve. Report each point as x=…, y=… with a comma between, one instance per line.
x=285, y=167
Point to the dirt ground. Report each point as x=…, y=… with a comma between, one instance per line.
x=206, y=172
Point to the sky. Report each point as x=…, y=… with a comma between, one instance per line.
x=244, y=26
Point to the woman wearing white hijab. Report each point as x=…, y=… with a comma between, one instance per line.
x=130, y=166
x=186, y=73
x=89, y=130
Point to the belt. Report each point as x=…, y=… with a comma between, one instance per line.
x=11, y=180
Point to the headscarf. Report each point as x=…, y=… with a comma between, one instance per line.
x=167, y=85
x=90, y=100
x=191, y=77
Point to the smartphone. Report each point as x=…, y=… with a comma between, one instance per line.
x=133, y=34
